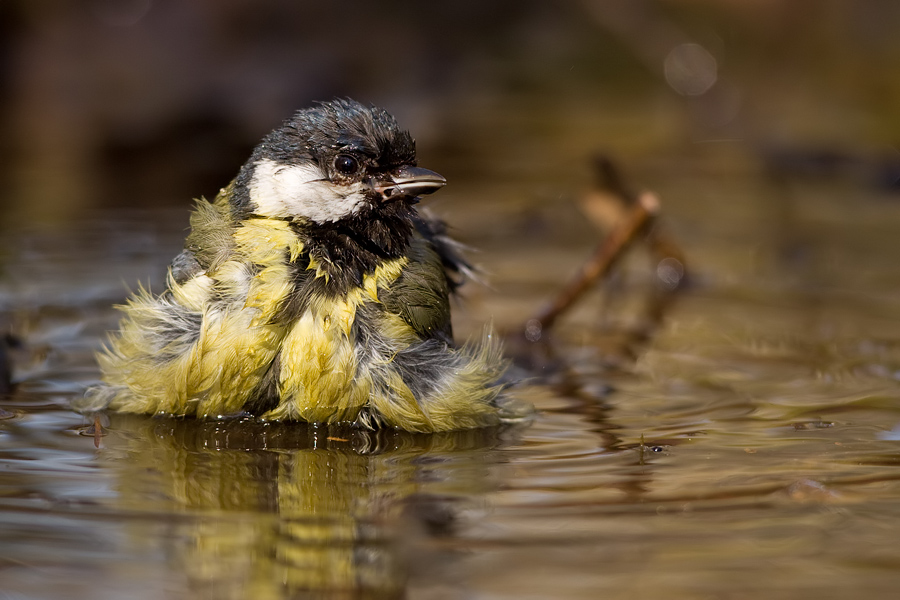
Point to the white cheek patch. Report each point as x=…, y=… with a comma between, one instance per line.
x=285, y=191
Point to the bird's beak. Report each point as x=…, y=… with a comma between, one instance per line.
x=409, y=181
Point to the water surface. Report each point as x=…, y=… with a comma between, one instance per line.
x=745, y=446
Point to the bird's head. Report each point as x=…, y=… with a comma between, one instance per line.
x=337, y=162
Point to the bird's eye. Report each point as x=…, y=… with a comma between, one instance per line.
x=346, y=164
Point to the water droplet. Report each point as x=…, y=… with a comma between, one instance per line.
x=670, y=272
x=533, y=329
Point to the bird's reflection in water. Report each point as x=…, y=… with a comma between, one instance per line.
x=259, y=510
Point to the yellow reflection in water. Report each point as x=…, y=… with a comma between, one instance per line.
x=264, y=510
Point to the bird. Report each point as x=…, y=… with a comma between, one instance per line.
x=311, y=289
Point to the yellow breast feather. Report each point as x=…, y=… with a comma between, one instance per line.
x=320, y=379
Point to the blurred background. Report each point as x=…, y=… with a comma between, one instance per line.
x=739, y=442
x=133, y=103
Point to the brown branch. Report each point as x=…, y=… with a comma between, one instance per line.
x=638, y=217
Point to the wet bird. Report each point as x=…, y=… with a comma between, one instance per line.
x=310, y=289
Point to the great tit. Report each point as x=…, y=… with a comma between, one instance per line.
x=311, y=289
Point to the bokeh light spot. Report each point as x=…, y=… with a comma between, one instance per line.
x=690, y=69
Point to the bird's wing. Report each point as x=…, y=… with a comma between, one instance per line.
x=210, y=242
x=421, y=294
x=450, y=252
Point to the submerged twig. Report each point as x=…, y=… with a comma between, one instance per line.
x=603, y=258
x=6, y=342
x=97, y=429
x=627, y=215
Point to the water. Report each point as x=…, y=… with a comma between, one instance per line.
x=745, y=446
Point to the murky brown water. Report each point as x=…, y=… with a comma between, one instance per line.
x=748, y=450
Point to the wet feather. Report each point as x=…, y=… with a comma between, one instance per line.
x=338, y=315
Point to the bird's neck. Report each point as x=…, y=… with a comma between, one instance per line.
x=349, y=249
